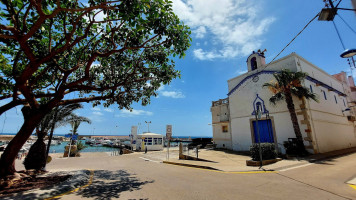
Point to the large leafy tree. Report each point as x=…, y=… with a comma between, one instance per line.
x=71, y=51
x=287, y=84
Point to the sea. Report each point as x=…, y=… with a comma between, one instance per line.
x=60, y=148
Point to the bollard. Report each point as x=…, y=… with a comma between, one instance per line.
x=180, y=149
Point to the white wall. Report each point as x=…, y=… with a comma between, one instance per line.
x=330, y=128
x=221, y=139
x=241, y=108
x=220, y=117
x=333, y=132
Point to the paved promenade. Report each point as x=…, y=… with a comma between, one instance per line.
x=220, y=160
x=144, y=176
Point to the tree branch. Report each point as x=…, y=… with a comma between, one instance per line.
x=10, y=105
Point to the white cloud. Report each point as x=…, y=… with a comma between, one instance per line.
x=203, y=55
x=172, y=94
x=166, y=93
x=95, y=108
x=161, y=88
x=98, y=113
x=108, y=110
x=133, y=113
x=200, y=32
x=239, y=72
x=235, y=27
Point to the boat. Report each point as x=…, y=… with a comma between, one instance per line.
x=3, y=147
x=107, y=143
x=90, y=142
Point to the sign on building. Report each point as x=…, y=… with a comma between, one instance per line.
x=169, y=132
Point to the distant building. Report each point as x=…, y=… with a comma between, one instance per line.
x=325, y=126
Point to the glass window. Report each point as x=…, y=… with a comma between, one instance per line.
x=148, y=141
x=311, y=88
x=224, y=129
x=335, y=99
x=324, y=95
x=159, y=141
x=344, y=102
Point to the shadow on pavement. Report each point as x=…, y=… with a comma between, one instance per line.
x=109, y=184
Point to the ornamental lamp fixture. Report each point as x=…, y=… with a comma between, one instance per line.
x=348, y=53
x=327, y=14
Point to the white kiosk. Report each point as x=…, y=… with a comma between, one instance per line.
x=151, y=141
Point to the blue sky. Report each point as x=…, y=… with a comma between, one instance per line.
x=224, y=33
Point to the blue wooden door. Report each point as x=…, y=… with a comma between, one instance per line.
x=265, y=129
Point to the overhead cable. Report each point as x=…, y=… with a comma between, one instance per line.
x=296, y=36
x=338, y=34
x=346, y=23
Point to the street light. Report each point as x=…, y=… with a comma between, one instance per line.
x=258, y=117
x=349, y=53
x=327, y=14
x=148, y=126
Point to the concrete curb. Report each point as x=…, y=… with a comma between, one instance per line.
x=218, y=170
x=190, y=165
x=330, y=155
x=352, y=181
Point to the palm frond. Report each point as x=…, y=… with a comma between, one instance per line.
x=288, y=81
x=276, y=97
x=62, y=115
x=304, y=92
x=269, y=85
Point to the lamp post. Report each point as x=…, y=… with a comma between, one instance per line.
x=258, y=117
x=328, y=14
x=349, y=53
x=138, y=127
x=148, y=126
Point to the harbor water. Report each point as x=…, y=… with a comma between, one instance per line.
x=99, y=148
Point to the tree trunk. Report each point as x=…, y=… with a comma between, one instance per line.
x=36, y=158
x=293, y=116
x=50, y=136
x=31, y=119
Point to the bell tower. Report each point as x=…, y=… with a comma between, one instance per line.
x=256, y=60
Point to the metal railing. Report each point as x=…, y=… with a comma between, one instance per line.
x=220, y=102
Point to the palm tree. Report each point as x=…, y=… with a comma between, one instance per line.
x=37, y=155
x=75, y=125
x=286, y=85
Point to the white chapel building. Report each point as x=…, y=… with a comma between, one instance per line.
x=326, y=126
